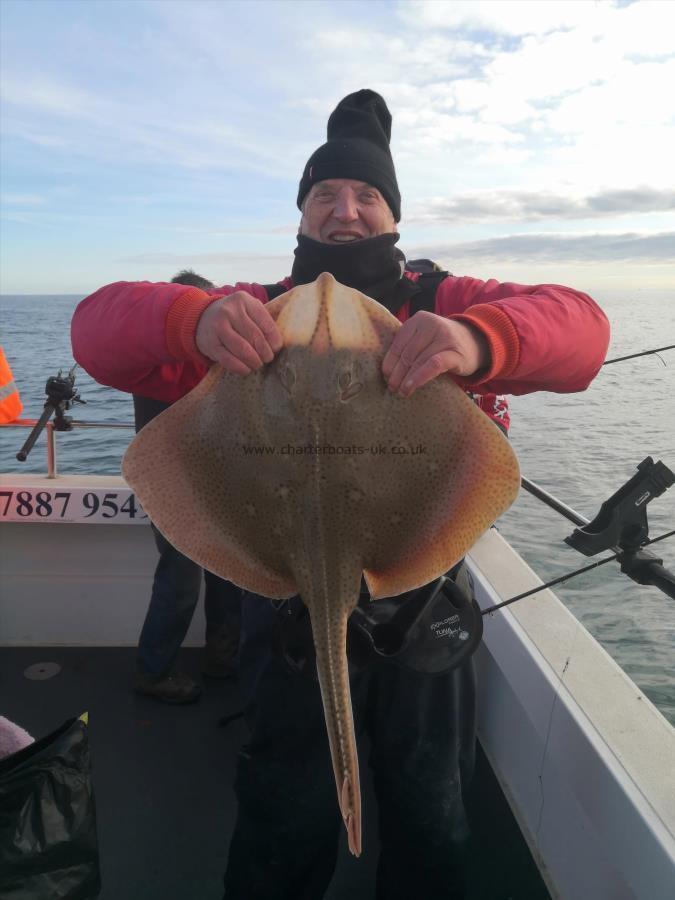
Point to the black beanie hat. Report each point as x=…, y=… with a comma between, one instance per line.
x=359, y=131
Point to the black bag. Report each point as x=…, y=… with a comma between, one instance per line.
x=431, y=630
x=48, y=843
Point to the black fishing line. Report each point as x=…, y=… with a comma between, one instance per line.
x=607, y=362
x=563, y=578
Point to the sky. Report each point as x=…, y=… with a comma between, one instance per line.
x=533, y=141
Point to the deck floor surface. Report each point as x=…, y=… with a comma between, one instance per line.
x=163, y=784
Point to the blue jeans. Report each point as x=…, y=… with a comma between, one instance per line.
x=175, y=592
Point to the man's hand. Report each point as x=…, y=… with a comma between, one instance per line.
x=238, y=333
x=428, y=345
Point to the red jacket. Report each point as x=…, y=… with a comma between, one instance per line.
x=140, y=337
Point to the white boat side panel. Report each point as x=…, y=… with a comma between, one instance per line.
x=569, y=852
x=578, y=747
x=626, y=850
x=79, y=586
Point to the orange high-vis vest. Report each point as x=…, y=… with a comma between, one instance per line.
x=10, y=402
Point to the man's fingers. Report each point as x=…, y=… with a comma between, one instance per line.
x=398, y=345
x=427, y=345
x=238, y=333
x=242, y=346
x=409, y=343
x=430, y=367
x=418, y=344
x=404, y=364
x=229, y=362
x=249, y=319
x=248, y=342
x=268, y=327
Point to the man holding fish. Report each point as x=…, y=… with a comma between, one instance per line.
x=324, y=365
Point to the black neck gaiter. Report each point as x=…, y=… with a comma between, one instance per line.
x=373, y=266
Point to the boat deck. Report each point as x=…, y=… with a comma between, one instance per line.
x=163, y=784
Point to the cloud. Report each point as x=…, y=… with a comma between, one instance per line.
x=540, y=248
x=500, y=206
x=175, y=258
x=516, y=17
x=573, y=92
x=46, y=96
x=554, y=248
x=10, y=199
x=644, y=26
x=45, y=110
x=566, y=91
x=635, y=200
x=221, y=268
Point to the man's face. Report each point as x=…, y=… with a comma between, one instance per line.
x=341, y=210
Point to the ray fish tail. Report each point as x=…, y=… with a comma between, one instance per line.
x=329, y=627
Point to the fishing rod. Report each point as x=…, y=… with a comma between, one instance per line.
x=658, y=350
x=620, y=525
x=563, y=578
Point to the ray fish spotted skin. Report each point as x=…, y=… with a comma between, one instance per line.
x=309, y=473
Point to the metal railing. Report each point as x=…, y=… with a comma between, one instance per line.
x=51, y=430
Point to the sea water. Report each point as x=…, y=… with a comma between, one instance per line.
x=579, y=447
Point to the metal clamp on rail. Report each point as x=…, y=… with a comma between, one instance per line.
x=622, y=520
x=622, y=525
x=61, y=396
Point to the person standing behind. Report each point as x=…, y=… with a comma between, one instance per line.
x=175, y=592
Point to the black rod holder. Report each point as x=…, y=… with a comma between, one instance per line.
x=61, y=396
